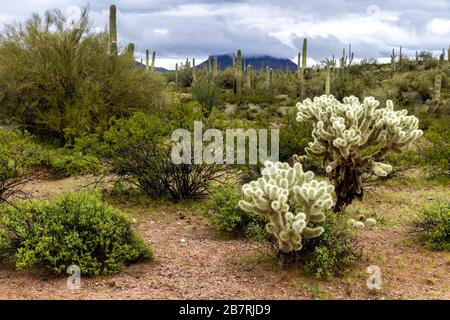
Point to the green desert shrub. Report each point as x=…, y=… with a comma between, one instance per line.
x=66, y=161
x=16, y=154
x=77, y=229
x=433, y=221
x=230, y=219
x=334, y=251
x=437, y=153
x=57, y=78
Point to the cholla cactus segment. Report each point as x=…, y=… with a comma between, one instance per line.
x=291, y=201
x=343, y=130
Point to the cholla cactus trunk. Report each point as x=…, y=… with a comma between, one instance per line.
x=112, y=30
x=194, y=74
x=281, y=190
x=153, y=62
x=328, y=81
x=239, y=77
x=352, y=138
x=147, y=60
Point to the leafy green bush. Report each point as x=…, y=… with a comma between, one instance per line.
x=16, y=153
x=66, y=161
x=434, y=221
x=207, y=93
x=437, y=153
x=58, y=78
x=333, y=251
x=77, y=229
x=230, y=219
x=137, y=151
x=294, y=136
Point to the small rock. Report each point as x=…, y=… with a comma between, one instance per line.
x=430, y=282
x=182, y=240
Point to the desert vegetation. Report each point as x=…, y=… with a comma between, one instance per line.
x=87, y=176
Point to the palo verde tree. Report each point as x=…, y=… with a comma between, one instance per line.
x=352, y=138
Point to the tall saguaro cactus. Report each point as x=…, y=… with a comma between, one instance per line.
x=239, y=77
x=153, y=62
x=194, y=74
x=304, y=62
x=281, y=190
x=147, y=60
x=250, y=77
x=215, y=67
x=130, y=51
x=393, y=61
x=328, y=81
x=299, y=65
x=113, y=30
x=353, y=138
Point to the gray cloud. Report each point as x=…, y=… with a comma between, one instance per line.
x=182, y=28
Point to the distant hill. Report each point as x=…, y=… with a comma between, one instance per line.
x=258, y=62
x=142, y=66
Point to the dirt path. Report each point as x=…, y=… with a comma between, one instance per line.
x=192, y=262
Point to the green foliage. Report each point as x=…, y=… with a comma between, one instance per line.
x=434, y=221
x=16, y=153
x=58, y=78
x=207, y=93
x=230, y=219
x=294, y=136
x=334, y=251
x=77, y=229
x=137, y=152
x=437, y=153
x=66, y=161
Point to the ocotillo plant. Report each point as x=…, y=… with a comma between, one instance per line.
x=352, y=138
x=239, y=77
x=112, y=30
x=281, y=190
x=153, y=61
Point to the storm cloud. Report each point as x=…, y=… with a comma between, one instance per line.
x=177, y=29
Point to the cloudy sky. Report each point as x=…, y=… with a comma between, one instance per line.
x=177, y=29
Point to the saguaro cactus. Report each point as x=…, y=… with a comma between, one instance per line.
x=147, y=60
x=239, y=77
x=281, y=190
x=353, y=138
x=112, y=30
x=393, y=62
x=194, y=74
x=250, y=77
x=215, y=67
x=153, y=61
x=328, y=81
x=130, y=50
x=303, y=70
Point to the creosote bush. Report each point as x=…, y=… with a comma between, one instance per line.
x=77, y=229
x=433, y=221
x=352, y=139
x=16, y=153
x=230, y=219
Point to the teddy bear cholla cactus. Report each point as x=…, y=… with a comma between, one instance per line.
x=280, y=191
x=354, y=137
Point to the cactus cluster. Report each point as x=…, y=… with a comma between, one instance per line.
x=291, y=201
x=353, y=138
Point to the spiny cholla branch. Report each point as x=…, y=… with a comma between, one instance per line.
x=343, y=132
x=280, y=191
